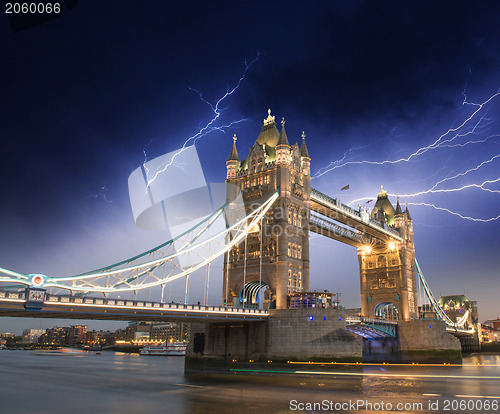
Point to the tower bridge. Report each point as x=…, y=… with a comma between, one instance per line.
x=265, y=248
x=383, y=239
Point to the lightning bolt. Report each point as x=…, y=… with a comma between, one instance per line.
x=101, y=194
x=442, y=141
x=210, y=126
x=433, y=189
x=337, y=162
x=477, y=124
x=456, y=214
x=450, y=190
x=454, y=190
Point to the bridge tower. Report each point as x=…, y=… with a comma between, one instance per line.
x=387, y=269
x=275, y=256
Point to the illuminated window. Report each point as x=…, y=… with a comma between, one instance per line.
x=299, y=220
x=294, y=218
x=299, y=252
x=289, y=249
x=266, y=179
x=381, y=261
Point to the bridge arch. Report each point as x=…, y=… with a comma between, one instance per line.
x=253, y=293
x=387, y=310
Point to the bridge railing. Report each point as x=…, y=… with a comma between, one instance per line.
x=376, y=223
x=13, y=295
x=369, y=320
x=385, y=227
x=319, y=194
x=336, y=202
x=349, y=209
x=68, y=299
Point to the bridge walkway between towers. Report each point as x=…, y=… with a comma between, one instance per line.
x=371, y=328
x=328, y=212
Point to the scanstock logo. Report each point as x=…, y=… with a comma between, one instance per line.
x=170, y=193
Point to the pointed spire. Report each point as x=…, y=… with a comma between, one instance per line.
x=283, y=138
x=398, y=208
x=270, y=118
x=407, y=212
x=234, y=153
x=303, y=149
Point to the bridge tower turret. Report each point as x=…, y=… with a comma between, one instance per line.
x=233, y=162
x=404, y=224
x=283, y=239
x=387, y=268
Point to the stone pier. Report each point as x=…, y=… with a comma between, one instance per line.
x=428, y=341
x=311, y=335
x=316, y=335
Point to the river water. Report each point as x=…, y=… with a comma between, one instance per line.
x=116, y=383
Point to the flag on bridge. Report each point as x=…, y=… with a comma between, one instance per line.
x=369, y=201
x=345, y=188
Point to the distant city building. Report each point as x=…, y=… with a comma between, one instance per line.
x=99, y=338
x=30, y=336
x=491, y=330
x=456, y=307
x=120, y=334
x=493, y=323
x=136, y=331
x=56, y=336
x=489, y=334
x=76, y=334
x=170, y=332
x=7, y=335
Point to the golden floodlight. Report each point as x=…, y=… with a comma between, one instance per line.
x=368, y=249
x=255, y=228
x=392, y=246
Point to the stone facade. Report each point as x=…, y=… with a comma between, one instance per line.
x=290, y=335
x=311, y=334
x=427, y=341
x=276, y=253
x=387, y=269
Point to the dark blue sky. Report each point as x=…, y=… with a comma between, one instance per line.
x=84, y=94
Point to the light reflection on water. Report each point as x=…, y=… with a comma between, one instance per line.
x=112, y=383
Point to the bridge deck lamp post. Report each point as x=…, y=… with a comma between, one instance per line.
x=245, y=269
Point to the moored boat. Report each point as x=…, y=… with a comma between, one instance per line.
x=165, y=349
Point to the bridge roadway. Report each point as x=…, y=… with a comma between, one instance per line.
x=326, y=212
x=12, y=304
